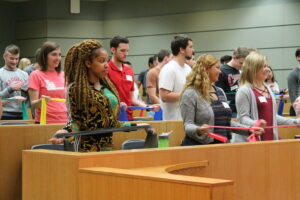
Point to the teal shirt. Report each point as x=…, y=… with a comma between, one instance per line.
x=114, y=103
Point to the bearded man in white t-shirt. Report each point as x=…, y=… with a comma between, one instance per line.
x=172, y=77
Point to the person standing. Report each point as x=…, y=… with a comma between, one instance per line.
x=164, y=56
x=122, y=76
x=49, y=82
x=204, y=104
x=142, y=78
x=172, y=77
x=230, y=76
x=254, y=100
x=294, y=83
x=93, y=100
x=35, y=65
x=13, y=84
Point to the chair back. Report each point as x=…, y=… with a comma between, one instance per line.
x=13, y=123
x=59, y=147
x=133, y=144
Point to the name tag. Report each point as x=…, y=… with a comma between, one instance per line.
x=129, y=78
x=225, y=105
x=234, y=87
x=262, y=99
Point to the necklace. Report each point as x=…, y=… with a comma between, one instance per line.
x=264, y=92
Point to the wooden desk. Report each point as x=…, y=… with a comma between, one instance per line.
x=16, y=138
x=30, y=121
x=260, y=171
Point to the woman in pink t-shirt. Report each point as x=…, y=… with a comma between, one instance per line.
x=49, y=82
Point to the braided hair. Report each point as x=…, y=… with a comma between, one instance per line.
x=198, y=78
x=76, y=71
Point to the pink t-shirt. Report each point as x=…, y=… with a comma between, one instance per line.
x=50, y=83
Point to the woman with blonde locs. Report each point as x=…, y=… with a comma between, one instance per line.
x=203, y=104
x=93, y=99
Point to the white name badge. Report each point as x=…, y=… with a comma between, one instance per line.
x=129, y=78
x=262, y=99
x=234, y=87
x=225, y=104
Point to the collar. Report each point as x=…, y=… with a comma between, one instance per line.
x=6, y=68
x=114, y=67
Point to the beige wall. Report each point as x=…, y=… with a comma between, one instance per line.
x=272, y=28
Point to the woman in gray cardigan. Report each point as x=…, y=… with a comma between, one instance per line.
x=254, y=100
x=203, y=104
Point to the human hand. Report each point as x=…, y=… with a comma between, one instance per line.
x=257, y=130
x=124, y=105
x=259, y=127
x=47, y=98
x=55, y=140
x=19, y=98
x=17, y=86
x=203, y=130
x=142, y=124
x=154, y=107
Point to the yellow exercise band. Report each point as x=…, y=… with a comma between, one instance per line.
x=43, y=118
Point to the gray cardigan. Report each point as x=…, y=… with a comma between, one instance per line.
x=196, y=111
x=247, y=112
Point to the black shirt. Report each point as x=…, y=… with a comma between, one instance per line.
x=228, y=81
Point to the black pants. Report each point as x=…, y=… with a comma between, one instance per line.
x=187, y=141
x=17, y=117
x=292, y=111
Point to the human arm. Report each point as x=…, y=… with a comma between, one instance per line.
x=276, y=87
x=257, y=130
x=167, y=79
x=140, y=79
x=5, y=92
x=293, y=85
x=152, y=95
x=69, y=126
x=137, y=102
x=151, y=83
x=286, y=121
x=168, y=96
x=243, y=106
x=189, y=110
x=35, y=101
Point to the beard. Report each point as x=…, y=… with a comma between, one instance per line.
x=120, y=60
x=188, y=57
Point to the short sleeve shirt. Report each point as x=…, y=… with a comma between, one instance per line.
x=172, y=77
x=50, y=83
x=124, y=83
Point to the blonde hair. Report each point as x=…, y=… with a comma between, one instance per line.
x=198, y=78
x=24, y=62
x=253, y=63
x=76, y=71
